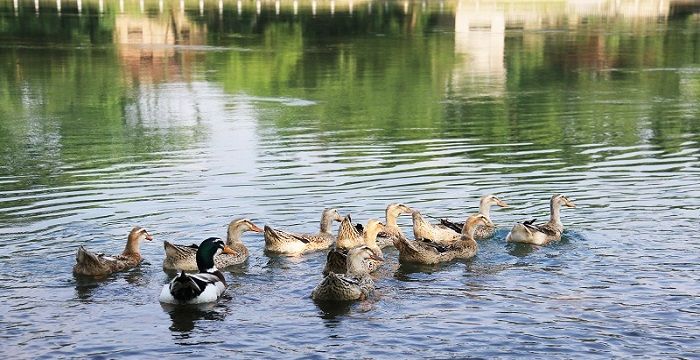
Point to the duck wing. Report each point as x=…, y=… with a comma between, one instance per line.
x=179, y=251
x=186, y=287
x=281, y=235
x=456, y=226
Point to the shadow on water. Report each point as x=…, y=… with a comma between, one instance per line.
x=184, y=317
x=332, y=309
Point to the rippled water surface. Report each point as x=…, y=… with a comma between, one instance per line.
x=179, y=116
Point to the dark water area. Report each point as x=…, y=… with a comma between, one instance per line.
x=180, y=116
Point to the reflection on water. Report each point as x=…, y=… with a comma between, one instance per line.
x=180, y=115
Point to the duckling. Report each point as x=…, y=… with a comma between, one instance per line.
x=355, y=284
x=482, y=231
x=92, y=264
x=425, y=251
x=336, y=261
x=182, y=257
x=391, y=228
x=283, y=242
x=207, y=285
x=544, y=233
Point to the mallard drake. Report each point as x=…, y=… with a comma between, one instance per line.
x=204, y=287
x=336, y=261
x=92, y=264
x=482, y=231
x=355, y=284
x=391, y=228
x=425, y=251
x=183, y=257
x=542, y=234
x=283, y=242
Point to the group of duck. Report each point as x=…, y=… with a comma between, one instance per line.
x=355, y=252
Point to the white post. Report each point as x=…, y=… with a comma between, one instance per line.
x=80, y=7
x=239, y=7
x=58, y=6
x=258, y=7
x=295, y=5
x=101, y=5
x=350, y=5
x=121, y=6
x=277, y=7
x=142, y=7
x=160, y=6
x=182, y=6
x=313, y=7
x=36, y=6
x=332, y=7
x=201, y=7
x=221, y=8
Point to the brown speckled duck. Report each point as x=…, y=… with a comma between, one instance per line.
x=542, y=234
x=336, y=261
x=425, y=251
x=391, y=228
x=92, y=264
x=184, y=257
x=482, y=231
x=355, y=284
x=288, y=243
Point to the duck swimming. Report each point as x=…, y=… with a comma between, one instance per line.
x=288, y=243
x=391, y=228
x=183, y=257
x=92, y=264
x=336, y=261
x=206, y=286
x=355, y=284
x=425, y=251
x=542, y=234
x=482, y=231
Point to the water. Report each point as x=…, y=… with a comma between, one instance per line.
x=114, y=114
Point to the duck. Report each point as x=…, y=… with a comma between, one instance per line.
x=288, y=243
x=426, y=251
x=93, y=264
x=422, y=229
x=528, y=233
x=336, y=260
x=482, y=231
x=203, y=287
x=391, y=227
x=183, y=257
x=354, y=284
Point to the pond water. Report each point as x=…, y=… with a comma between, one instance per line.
x=179, y=116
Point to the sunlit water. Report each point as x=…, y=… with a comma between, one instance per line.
x=116, y=114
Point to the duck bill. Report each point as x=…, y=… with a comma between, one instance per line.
x=570, y=204
x=149, y=237
x=502, y=204
x=255, y=228
x=228, y=250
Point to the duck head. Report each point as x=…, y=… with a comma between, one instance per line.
x=356, y=258
x=395, y=210
x=137, y=235
x=206, y=252
x=327, y=218
x=472, y=222
x=237, y=227
x=562, y=200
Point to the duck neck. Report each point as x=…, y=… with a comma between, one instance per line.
x=391, y=218
x=485, y=209
x=326, y=223
x=205, y=261
x=468, y=230
x=346, y=234
x=234, y=235
x=133, y=245
x=554, y=208
x=370, y=239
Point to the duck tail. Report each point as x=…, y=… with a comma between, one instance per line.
x=184, y=287
x=336, y=262
x=271, y=235
x=85, y=257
